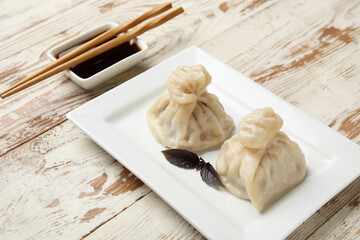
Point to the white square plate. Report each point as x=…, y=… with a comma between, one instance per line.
x=116, y=121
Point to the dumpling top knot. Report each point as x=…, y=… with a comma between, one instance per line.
x=186, y=84
x=259, y=127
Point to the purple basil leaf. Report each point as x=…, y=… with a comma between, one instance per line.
x=182, y=158
x=210, y=176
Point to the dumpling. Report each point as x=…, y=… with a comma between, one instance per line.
x=186, y=116
x=260, y=162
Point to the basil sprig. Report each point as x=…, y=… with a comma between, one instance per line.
x=189, y=160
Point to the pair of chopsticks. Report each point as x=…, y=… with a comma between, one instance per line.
x=89, y=49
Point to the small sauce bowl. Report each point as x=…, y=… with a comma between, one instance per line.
x=107, y=73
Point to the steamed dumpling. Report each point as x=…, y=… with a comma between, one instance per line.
x=260, y=162
x=186, y=116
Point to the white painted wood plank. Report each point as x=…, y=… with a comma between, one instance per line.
x=62, y=185
x=150, y=218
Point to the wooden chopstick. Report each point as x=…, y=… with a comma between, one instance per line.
x=34, y=78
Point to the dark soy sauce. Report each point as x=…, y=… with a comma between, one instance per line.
x=96, y=64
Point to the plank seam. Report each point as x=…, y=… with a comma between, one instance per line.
x=103, y=223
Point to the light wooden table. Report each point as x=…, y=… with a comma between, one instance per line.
x=58, y=184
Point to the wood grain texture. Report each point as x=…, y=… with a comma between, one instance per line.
x=59, y=184
x=62, y=185
x=145, y=220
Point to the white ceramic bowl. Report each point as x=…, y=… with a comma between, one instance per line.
x=109, y=72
